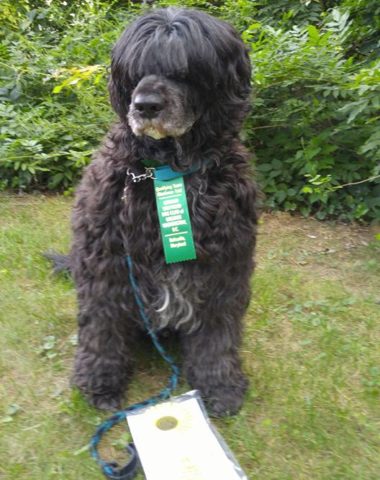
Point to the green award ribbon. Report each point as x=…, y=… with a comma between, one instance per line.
x=173, y=215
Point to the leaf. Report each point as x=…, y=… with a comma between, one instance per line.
x=10, y=412
x=13, y=409
x=15, y=93
x=280, y=196
x=82, y=450
x=264, y=167
x=360, y=210
x=305, y=211
x=56, y=180
x=6, y=419
x=321, y=215
x=58, y=88
x=354, y=109
x=372, y=143
x=313, y=33
x=49, y=342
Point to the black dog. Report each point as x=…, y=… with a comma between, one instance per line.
x=180, y=84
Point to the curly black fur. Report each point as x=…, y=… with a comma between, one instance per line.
x=180, y=84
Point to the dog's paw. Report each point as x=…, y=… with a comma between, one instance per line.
x=225, y=400
x=108, y=401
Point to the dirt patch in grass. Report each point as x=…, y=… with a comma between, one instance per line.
x=339, y=252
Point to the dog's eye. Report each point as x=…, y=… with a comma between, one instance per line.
x=178, y=77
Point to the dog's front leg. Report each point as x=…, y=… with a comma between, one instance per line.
x=103, y=362
x=212, y=365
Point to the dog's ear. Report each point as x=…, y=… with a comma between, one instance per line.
x=240, y=73
x=233, y=65
x=119, y=96
x=120, y=84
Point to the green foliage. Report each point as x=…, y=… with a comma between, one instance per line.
x=54, y=108
x=365, y=29
x=314, y=124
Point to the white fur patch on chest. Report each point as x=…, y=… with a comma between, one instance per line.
x=176, y=304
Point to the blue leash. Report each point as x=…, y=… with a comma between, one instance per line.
x=128, y=471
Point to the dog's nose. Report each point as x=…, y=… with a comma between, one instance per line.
x=149, y=105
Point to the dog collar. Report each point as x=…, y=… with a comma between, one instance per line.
x=165, y=172
x=157, y=171
x=172, y=209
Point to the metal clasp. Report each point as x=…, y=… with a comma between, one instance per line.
x=144, y=176
x=136, y=179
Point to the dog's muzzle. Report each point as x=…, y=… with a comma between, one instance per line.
x=149, y=105
x=159, y=108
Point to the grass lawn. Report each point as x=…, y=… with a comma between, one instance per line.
x=311, y=350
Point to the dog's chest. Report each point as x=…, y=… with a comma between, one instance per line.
x=176, y=300
x=171, y=292
x=140, y=217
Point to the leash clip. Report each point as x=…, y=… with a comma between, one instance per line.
x=136, y=179
x=144, y=176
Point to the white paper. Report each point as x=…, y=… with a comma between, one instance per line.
x=188, y=451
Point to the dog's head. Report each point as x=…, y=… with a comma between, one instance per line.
x=173, y=69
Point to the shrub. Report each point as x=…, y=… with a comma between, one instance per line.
x=54, y=108
x=314, y=124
